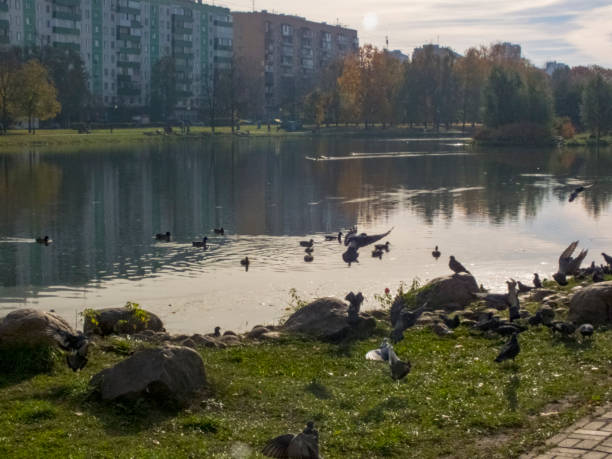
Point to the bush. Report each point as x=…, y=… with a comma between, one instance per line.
x=515, y=134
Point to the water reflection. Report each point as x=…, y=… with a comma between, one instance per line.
x=103, y=208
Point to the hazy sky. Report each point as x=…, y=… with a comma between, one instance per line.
x=575, y=32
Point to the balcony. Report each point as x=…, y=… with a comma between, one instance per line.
x=66, y=31
x=128, y=10
x=72, y=46
x=182, y=43
x=224, y=24
x=128, y=91
x=4, y=7
x=66, y=15
x=128, y=37
x=128, y=64
x=67, y=2
x=4, y=24
x=129, y=50
x=223, y=47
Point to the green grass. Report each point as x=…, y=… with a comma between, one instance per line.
x=455, y=402
x=586, y=139
x=103, y=137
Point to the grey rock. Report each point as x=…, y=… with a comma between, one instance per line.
x=592, y=304
x=32, y=327
x=539, y=294
x=121, y=321
x=206, y=341
x=170, y=373
x=327, y=319
x=450, y=293
x=257, y=331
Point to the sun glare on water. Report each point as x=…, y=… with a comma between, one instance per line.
x=370, y=21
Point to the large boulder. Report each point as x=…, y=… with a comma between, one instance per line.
x=450, y=293
x=327, y=319
x=592, y=304
x=170, y=373
x=126, y=320
x=31, y=327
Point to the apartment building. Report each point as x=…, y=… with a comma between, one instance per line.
x=120, y=41
x=287, y=51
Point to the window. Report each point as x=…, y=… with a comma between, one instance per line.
x=286, y=30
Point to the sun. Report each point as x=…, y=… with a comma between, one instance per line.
x=370, y=21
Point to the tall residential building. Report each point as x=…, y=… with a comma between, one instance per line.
x=120, y=41
x=435, y=50
x=286, y=52
x=553, y=66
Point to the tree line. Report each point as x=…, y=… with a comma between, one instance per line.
x=486, y=86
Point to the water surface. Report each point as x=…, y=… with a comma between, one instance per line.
x=502, y=213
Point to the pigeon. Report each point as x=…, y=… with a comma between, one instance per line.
x=216, y=333
x=382, y=353
x=513, y=301
x=350, y=256
x=450, y=323
x=569, y=264
x=586, y=330
x=564, y=328
x=76, y=346
x=510, y=350
x=304, y=445
x=307, y=243
x=163, y=237
x=354, y=307
x=381, y=247
x=575, y=193
x=399, y=369
x=536, y=281
x=436, y=253
x=608, y=258
x=490, y=323
x=560, y=278
x=536, y=319
x=456, y=267
x=598, y=275
x=522, y=288
x=405, y=320
x=440, y=329
x=509, y=329
x=219, y=231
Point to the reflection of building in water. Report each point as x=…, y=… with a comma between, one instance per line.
x=103, y=208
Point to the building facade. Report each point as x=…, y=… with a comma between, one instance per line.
x=287, y=52
x=120, y=41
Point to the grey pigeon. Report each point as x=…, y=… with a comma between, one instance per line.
x=569, y=264
x=607, y=258
x=513, y=301
x=355, y=304
x=586, y=330
x=575, y=193
x=361, y=240
x=563, y=328
x=399, y=369
x=456, y=267
x=522, y=288
x=536, y=281
x=381, y=354
x=301, y=446
x=76, y=346
x=510, y=350
x=350, y=256
x=509, y=329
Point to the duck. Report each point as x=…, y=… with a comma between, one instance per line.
x=201, y=243
x=308, y=258
x=436, y=253
x=307, y=243
x=377, y=253
x=162, y=236
x=309, y=250
x=219, y=231
x=384, y=246
x=43, y=240
x=333, y=238
x=245, y=262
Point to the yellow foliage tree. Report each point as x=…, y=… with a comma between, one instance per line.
x=36, y=96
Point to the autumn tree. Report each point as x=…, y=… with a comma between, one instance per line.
x=36, y=96
x=596, y=108
x=472, y=72
x=350, y=89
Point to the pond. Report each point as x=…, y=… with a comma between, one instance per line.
x=502, y=213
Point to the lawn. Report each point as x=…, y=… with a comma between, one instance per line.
x=456, y=401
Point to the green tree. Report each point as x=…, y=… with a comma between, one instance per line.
x=67, y=71
x=596, y=108
x=9, y=86
x=36, y=96
x=164, y=96
x=503, y=97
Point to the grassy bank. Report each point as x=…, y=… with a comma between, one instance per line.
x=585, y=139
x=102, y=137
x=456, y=401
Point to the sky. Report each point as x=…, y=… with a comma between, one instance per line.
x=576, y=32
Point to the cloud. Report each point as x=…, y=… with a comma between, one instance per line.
x=563, y=30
